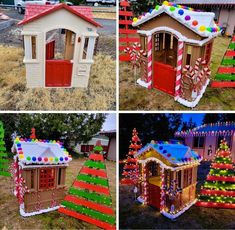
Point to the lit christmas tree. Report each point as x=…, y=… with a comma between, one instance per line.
x=131, y=168
x=4, y=162
x=219, y=188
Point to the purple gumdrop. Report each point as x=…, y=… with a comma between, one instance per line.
x=187, y=18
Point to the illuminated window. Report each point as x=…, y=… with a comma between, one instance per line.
x=198, y=142
x=47, y=178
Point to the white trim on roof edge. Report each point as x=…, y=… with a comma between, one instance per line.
x=177, y=33
x=25, y=166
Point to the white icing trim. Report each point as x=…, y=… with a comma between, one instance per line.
x=41, y=165
x=143, y=83
x=173, y=216
x=192, y=104
x=183, y=165
x=26, y=214
x=176, y=33
x=180, y=19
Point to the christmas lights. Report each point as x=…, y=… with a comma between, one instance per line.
x=219, y=189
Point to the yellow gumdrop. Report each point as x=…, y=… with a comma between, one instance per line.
x=51, y=159
x=135, y=19
x=165, y=3
x=21, y=156
x=202, y=28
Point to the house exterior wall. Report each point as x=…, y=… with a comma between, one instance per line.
x=227, y=19
x=35, y=69
x=112, y=149
x=41, y=199
x=209, y=140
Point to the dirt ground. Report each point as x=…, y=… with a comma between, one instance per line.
x=11, y=219
x=136, y=216
x=134, y=97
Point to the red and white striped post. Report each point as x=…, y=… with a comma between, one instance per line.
x=179, y=67
x=150, y=64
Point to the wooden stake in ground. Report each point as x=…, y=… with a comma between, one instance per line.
x=89, y=197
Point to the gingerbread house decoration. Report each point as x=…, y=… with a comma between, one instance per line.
x=168, y=177
x=39, y=171
x=59, y=43
x=178, y=42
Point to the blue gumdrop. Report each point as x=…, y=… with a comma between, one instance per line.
x=180, y=12
x=34, y=158
x=160, y=147
x=164, y=151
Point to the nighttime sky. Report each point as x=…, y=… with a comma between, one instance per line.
x=110, y=122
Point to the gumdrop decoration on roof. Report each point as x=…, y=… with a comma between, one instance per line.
x=89, y=197
x=4, y=162
x=131, y=168
x=219, y=188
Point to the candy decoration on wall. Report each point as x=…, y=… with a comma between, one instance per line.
x=89, y=197
x=4, y=162
x=136, y=56
x=131, y=169
x=219, y=188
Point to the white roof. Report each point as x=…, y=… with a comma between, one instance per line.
x=203, y=2
x=40, y=152
x=204, y=19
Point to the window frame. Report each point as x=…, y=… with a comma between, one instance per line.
x=28, y=48
x=198, y=142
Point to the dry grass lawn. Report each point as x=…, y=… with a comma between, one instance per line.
x=11, y=219
x=134, y=97
x=100, y=94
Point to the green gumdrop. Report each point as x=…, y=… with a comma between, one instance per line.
x=56, y=159
x=172, y=8
x=156, y=7
x=28, y=158
x=208, y=29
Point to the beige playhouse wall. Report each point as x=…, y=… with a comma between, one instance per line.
x=112, y=149
x=209, y=140
x=165, y=20
x=227, y=19
x=58, y=19
x=45, y=196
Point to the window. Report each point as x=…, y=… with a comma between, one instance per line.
x=208, y=49
x=61, y=176
x=188, y=56
x=33, y=44
x=198, y=142
x=187, y=177
x=178, y=178
x=30, y=177
x=47, y=178
x=85, y=48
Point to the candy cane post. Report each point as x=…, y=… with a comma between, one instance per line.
x=149, y=80
x=179, y=67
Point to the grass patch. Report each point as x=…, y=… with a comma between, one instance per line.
x=11, y=218
x=100, y=94
x=134, y=97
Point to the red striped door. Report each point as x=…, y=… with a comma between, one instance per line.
x=58, y=73
x=164, y=78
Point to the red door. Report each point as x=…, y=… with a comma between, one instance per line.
x=164, y=78
x=154, y=196
x=58, y=73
